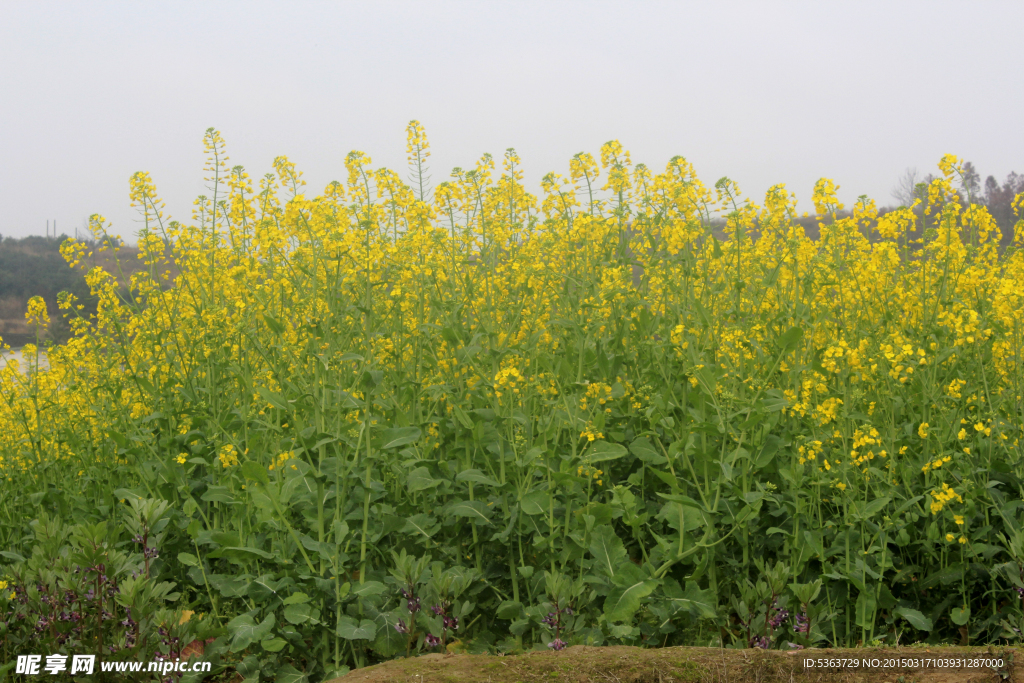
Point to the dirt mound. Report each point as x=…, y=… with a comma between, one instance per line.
x=582, y=664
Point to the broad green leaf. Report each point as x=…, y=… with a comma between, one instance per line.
x=399, y=436
x=389, y=641
x=368, y=588
x=623, y=601
x=299, y=614
x=865, y=609
x=188, y=559
x=701, y=604
x=265, y=586
x=790, y=339
x=218, y=494
x=621, y=630
x=876, y=506
x=643, y=449
x=519, y=626
x=244, y=631
x=768, y=451
x=255, y=471
x=297, y=598
x=601, y=512
x=350, y=629
x=607, y=550
x=241, y=630
x=275, y=399
x=600, y=451
x=509, y=609
x=916, y=619
x=127, y=494
x=420, y=480
x=273, y=644
x=477, y=477
x=421, y=525
x=462, y=417
x=535, y=503
x=230, y=586
x=289, y=674
x=242, y=555
x=475, y=510
x=960, y=615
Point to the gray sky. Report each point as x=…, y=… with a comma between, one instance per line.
x=763, y=92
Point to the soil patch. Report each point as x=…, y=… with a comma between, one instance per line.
x=618, y=664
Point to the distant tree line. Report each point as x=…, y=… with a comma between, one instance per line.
x=998, y=199
x=33, y=266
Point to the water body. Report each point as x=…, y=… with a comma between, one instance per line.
x=16, y=354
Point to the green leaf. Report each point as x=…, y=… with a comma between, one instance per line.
x=790, y=339
x=350, y=629
x=242, y=555
x=519, y=626
x=768, y=451
x=607, y=549
x=299, y=614
x=600, y=451
x=916, y=619
x=388, y=642
x=621, y=630
x=421, y=524
x=273, y=644
x=127, y=494
x=256, y=472
x=230, y=586
x=701, y=604
x=296, y=599
x=643, y=449
x=960, y=615
x=188, y=559
x=865, y=609
x=218, y=494
x=477, y=477
x=876, y=506
x=265, y=586
x=275, y=327
x=275, y=399
x=399, y=436
x=462, y=417
x=623, y=602
x=289, y=674
x=368, y=588
x=244, y=631
x=420, y=480
x=473, y=509
x=509, y=609
x=535, y=503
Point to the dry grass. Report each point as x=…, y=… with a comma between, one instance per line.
x=582, y=664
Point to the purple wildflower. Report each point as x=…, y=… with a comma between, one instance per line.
x=557, y=644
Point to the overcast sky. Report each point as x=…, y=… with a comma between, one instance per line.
x=764, y=92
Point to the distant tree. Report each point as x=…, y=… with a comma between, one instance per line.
x=905, y=189
x=971, y=182
x=999, y=200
